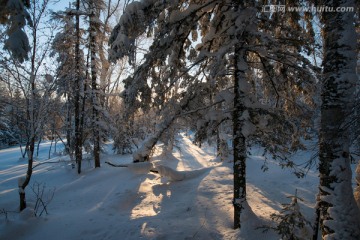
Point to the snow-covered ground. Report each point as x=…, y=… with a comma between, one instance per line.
x=117, y=203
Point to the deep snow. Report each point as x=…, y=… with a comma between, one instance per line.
x=118, y=203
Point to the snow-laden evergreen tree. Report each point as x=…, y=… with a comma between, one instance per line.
x=291, y=223
x=100, y=14
x=339, y=212
x=14, y=14
x=14, y=121
x=5, y=129
x=79, y=98
x=63, y=48
x=94, y=9
x=84, y=81
x=199, y=42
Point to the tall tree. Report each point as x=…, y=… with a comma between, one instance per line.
x=35, y=113
x=94, y=31
x=339, y=213
x=265, y=63
x=78, y=91
x=34, y=83
x=64, y=50
x=84, y=83
x=100, y=14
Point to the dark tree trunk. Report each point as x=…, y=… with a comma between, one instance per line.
x=69, y=129
x=95, y=100
x=22, y=200
x=77, y=100
x=51, y=144
x=218, y=141
x=317, y=220
x=23, y=184
x=31, y=119
x=38, y=146
x=239, y=144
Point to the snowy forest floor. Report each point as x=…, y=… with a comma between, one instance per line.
x=116, y=203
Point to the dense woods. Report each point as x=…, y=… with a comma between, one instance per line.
x=229, y=73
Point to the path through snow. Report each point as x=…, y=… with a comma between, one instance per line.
x=115, y=203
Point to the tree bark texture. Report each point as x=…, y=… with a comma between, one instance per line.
x=339, y=215
x=239, y=141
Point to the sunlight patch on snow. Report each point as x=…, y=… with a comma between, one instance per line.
x=11, y=149
x=168, y=193
x=158, y=149
x=260, y=204
x=147, y=231
x=44, y=169
x=214, y=197
x=97, y=206
x=7, y=191
x=190, y=152
x=10, y=178
x=100, y=204
x=13, y=170
x=109, y=203
x=150, y=204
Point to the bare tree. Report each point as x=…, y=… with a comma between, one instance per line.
x=34, y=83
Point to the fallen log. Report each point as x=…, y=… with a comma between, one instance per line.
x=163, y=171
x=116, y=165
x=133, y=167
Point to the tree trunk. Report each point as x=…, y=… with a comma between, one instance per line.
x=94, y=93
x=317, y=219
x=23, y=183
x=51, y=144
x=105, y=66
x=38, y=146
x=239, y=143
x=22, y=199
x=68, y=146
x=339, y=213
x=78, y=130
x=357, y=188
x=31, y=119
x=143, y=153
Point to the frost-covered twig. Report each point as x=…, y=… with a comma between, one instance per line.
x=127, y=165
x=59, y=161
x=116, y=165
x=3, y=211
x=41, y=204
x=6, y=213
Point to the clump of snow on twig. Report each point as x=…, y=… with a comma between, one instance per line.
x=170, y=173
